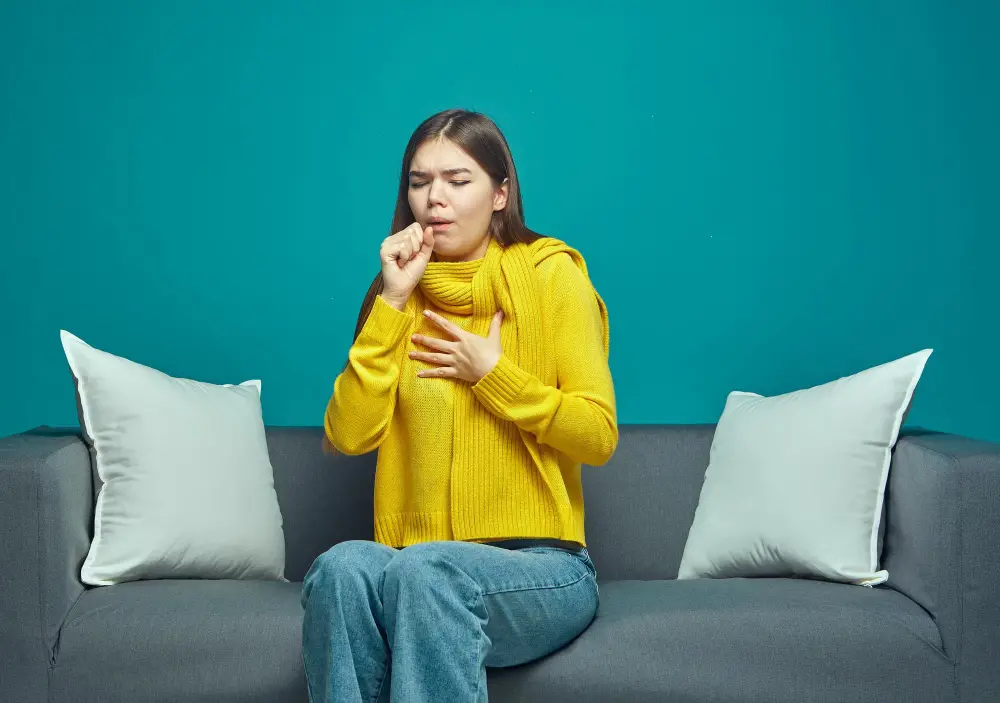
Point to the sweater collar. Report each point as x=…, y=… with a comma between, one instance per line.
x=448, y=284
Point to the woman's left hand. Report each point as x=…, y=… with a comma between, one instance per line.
x=466, y=355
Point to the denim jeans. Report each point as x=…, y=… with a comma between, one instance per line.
x=423, y=623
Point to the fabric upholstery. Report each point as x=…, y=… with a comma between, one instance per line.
x=928, y=634
x=192, y=640
x=324, y=499
x=653, y=479
x=941, y=543
x=742, y=641
x=706, y=640
x=46, y=513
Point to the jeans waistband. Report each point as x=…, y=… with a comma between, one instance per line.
x=525, y=543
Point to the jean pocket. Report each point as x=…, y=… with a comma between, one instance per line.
x=580, y=555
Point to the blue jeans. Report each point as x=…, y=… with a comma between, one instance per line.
x=424, y=622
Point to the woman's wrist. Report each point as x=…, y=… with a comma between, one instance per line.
x=397, y=302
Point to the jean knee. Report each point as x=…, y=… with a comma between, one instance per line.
x=428, y=567
x=345, y=564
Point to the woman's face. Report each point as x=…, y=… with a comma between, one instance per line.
x=451, y=193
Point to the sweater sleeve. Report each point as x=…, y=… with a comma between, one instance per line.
x=358, y=415
x=578, y=417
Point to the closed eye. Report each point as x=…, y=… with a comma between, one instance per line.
x=454, y=183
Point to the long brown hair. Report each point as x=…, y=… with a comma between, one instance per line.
x=479, y=137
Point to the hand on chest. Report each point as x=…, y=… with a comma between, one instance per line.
x=449, y=346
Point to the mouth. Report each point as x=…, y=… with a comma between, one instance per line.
x=439, y=224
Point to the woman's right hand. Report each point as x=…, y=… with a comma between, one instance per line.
x=404, y=257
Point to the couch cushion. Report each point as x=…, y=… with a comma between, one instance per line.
x=742, y=640
x=173, y=640
x=703, y=640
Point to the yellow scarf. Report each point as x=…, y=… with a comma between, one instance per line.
x=505, y=279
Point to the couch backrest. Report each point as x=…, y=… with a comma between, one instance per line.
x=639, y=506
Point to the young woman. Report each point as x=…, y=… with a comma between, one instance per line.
x=479, y=371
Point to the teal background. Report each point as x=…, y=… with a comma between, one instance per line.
x=770, y=195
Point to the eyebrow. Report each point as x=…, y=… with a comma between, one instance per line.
x=446, y=172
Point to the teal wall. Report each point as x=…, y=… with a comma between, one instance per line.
x=770, y=194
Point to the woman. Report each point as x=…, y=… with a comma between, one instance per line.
x=479, y=371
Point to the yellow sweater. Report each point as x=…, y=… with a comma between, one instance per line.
x=499, y=459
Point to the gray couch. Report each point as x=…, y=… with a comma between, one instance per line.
x=931, y=634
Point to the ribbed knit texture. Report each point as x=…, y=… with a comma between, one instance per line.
x=501, y=458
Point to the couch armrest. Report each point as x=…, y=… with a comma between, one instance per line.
x=942, y=548
x=46, y=518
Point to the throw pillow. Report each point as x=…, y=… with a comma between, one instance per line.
x=795, y=482
x=186, y=484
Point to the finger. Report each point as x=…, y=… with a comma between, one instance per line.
x=495, y=324
x=426, y=243
x=388, y=249
x=449, y=327
x=440, y=359
x=414, y=237
x=434, y=343
x=404, y=251
x=439, y=372
x=403, y=235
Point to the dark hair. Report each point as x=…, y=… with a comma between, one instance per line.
x=479, y=137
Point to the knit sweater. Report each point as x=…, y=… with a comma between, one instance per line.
x=498, y=459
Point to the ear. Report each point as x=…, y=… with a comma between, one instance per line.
x=500, y=195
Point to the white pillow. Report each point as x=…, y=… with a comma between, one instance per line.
x=188, y=488
x=795, y=482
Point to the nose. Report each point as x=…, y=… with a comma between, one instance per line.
x=436, y=193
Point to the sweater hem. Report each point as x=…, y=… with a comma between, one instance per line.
x=401, y=530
